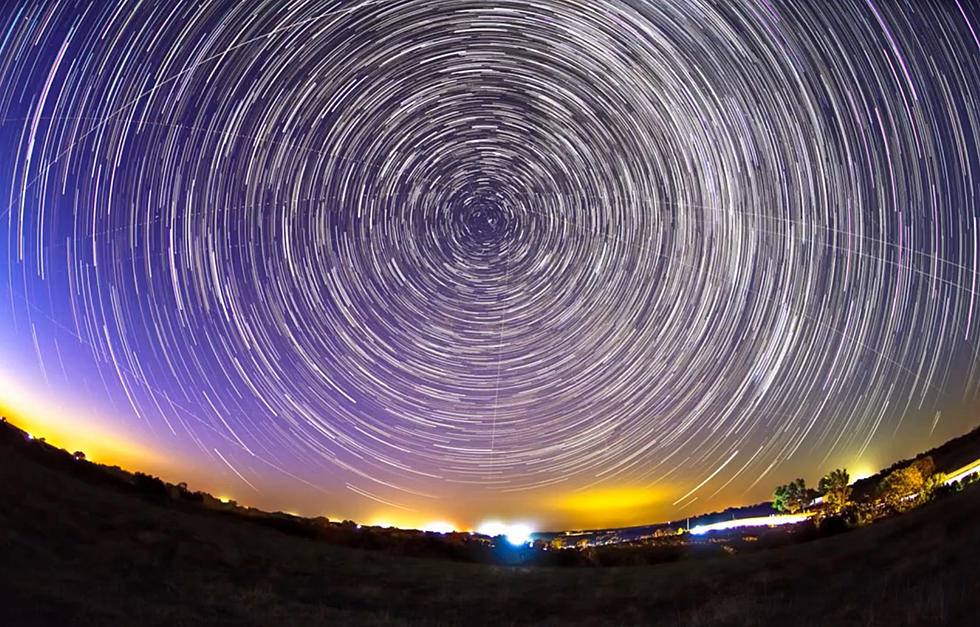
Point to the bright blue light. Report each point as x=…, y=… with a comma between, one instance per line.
x=519, y=534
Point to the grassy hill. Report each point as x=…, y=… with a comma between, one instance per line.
x=77, y=552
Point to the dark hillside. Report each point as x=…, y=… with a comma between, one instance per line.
x=76, y=552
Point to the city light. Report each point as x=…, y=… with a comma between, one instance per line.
x=439, y=527
x=492, y=528
x=963, y=472
x=516, y=533
x=519, y=534
x=758, y=521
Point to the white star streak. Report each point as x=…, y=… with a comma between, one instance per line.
x=451, y=248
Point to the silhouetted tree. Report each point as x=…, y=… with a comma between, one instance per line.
x=931, y=487
x=836, y=490
x=791, y=497
x=780, y=498
x=898, y=491
x=150, y=486
x=925, y=466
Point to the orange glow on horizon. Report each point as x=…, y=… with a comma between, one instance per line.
x=862, y=471
x=433, y=524
x=65, y=426
x=612, y=507
x=71, y=429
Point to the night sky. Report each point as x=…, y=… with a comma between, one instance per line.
x=553, y=262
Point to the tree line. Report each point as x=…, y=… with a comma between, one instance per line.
x=902, y=489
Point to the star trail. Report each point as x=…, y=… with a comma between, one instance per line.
x=459, y=259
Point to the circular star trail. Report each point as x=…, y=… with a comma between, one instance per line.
x=419, y=247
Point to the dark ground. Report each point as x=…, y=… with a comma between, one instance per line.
x=77, y=553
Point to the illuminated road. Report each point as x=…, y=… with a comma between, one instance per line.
x=758, y=521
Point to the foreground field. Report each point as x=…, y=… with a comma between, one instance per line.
x=74, y=553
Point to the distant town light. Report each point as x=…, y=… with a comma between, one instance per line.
x=439, y=527
x=758, y=521
x=492, y=528
x=863, y=472
x=961, y=473
x=515, y=533
x=519, y=534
